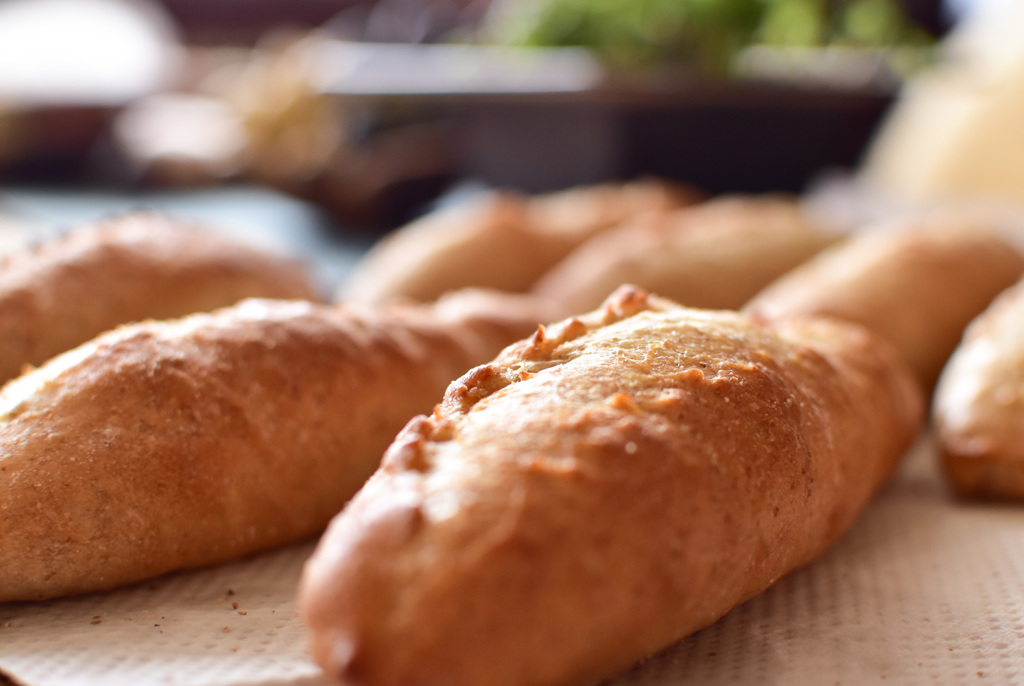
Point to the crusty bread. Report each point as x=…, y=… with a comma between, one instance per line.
x=478, y=243
x=168, y=445
x=602, y=490
x=916, y=284
x=978, y=409
x=500, y=239
x=715, y=255
x=585, y=211
x=140, y=266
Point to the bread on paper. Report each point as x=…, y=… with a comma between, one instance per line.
x=602, y=490
x=170, y=445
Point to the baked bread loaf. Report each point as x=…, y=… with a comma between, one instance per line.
x=501, y=240
x=915, y=284
x=169, y=445
x=602, y=490
x=978, y=410
x=584, y=211
x=715, y=255
x=141, y=266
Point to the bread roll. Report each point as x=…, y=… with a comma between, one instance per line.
x=500, y=240
x=715, y=255
x=585, y=211
x=141, y=266
x=979, y=404
x=602, y=490
x=168, y=445
x=917, y=285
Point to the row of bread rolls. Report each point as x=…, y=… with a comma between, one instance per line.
x=573, y=248
x=565, y=459
x=626, y=477
x=501, y=239
x=162, y=445
x=920, y=286
x=916, y=282
x=143, y=266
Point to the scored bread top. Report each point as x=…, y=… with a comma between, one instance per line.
x=601, y=490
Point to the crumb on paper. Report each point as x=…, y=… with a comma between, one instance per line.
x=231, y=591
x=234, y=606
x=227, y=630
x=242, y=612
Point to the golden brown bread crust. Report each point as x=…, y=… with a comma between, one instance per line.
x=978, y=409
x=142, y=266
x=715, y=255
x=584, y=211
x=500, y=240
x=602, y=490
x=168, y=445
x=916, y=285
x=480, y=243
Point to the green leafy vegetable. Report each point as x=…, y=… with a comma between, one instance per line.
x=707, y=33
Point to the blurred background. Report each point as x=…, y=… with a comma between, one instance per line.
x=356, y=115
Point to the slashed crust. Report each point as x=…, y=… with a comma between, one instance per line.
x=601, y=490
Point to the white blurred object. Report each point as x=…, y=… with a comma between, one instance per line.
x=15, y=233
x=957, y=134
x=961, y=9
x=347, y=68
x=92, y=52
x=200, y=135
